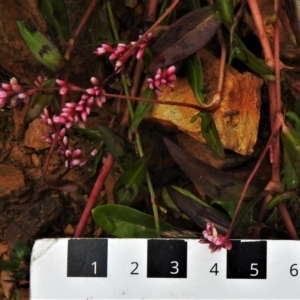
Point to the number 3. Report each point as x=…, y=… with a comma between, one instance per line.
x=174, y=267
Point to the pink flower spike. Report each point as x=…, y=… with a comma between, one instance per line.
x=65, y=140
x=99, y=51
x=68, y=153
x=90, y=91
x=3, y=94
x=94, y=81
x=94, y=152
x=62, y=132
x=216, y=241
x=59, y=119
x=60, y=82
x=6, y=86
x=76, y=153
x=171, y=70
x=140, y=54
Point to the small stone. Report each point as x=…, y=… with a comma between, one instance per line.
x=130, y=3
x=11, y=179
x=69, y=230
x=36, y=160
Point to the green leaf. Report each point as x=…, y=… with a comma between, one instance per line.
x=195, y=76
x=249, y=59
x=56, y=17
x=142, y=109
x=211, y=135
x=40, y=100
x=287, y=195
x=119, y=147
x=294, y=119
x=226, y=11
x=21, y=251
x=10, y=265
x=95, y=134
x=125, y=222
x=291, y=143
x=129, y=184
x=96, y=161
x=42, y=49
x=290, y=179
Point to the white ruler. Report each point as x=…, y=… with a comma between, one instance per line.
x=163, y=269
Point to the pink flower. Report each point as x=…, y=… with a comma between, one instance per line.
x=162, y=77
x=216, y=241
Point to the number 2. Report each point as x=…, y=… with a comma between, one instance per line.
x=133, y=271
x=175, y=267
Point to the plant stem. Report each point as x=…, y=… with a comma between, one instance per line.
x=94, y=194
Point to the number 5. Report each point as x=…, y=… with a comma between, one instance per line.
x=254, y=269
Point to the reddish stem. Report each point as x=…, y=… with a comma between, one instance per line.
x=94, y=194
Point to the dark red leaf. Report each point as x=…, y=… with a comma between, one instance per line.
x=185, y=36
x=213, y=182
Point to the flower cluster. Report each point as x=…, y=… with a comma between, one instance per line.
x=73, y=157
x=117, y=53
x=15, y=92
x=216, y=241
x=74, y=112
x=165, y=77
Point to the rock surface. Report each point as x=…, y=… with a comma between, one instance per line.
x=236, y=119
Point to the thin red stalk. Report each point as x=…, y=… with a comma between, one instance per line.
x=160, y=19
x=151, y=11
x=274, y=133
x=79, y=28
x=287, y=221
x=222, y=61
x=94, y=194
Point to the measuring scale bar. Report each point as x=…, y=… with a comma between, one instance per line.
x=163, y=269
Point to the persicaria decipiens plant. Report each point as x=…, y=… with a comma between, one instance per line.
x=77, y=112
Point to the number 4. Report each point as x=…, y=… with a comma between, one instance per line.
x=214, y=269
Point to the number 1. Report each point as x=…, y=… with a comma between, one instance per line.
x=95, y=267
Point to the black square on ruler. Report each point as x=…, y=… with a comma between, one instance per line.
x=247, y=260
x=87, y=258
x=167, y=259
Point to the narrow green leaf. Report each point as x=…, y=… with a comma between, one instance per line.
x=129, y=184
x=119, y=147
x=42, y=49
x=125, y=222
x=56, y=17
x=226, y=11
x=290, y=179
x=10, y=265
x=294, y=119
x=142, y=109
x=21, y=251
x=211, y=135
x=291, y=143
x=249, y=59
x=287, y=195
x=92, y=133
x=96, y=162
x=40, y=100
x=195, y=76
